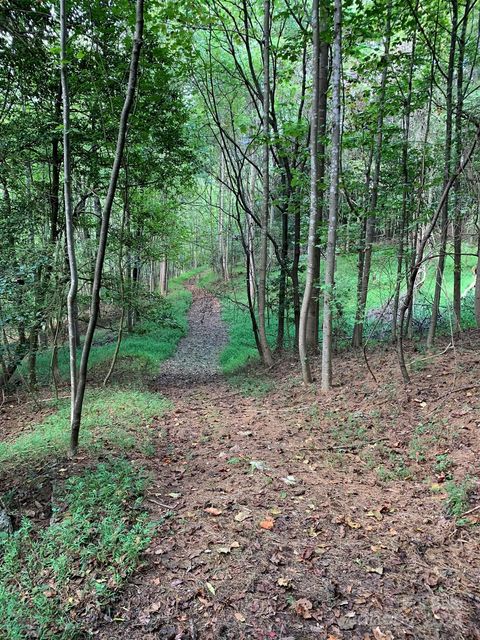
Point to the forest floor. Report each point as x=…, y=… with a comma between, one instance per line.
x=294, y=515
x=287, y=514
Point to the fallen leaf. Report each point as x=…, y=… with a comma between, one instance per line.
x=379, y=635
x=378, y=570
x=227, y=549
x=352, y=524
x=289, y=480
x=283, y=582
x=243, y=515
x=267, y=524
x=210, y=587
x=239, y=616
x=213, y=511
x=258, y=465
x=375, y=514
x=174, y=495
x=303, y=608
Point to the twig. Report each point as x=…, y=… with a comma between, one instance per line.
x=470, y=511
x=160, y=504
x=368, y=364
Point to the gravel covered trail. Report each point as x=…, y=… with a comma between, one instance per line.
x=197, y=357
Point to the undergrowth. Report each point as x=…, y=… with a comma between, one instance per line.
x=49, y=579
x=111, y=418
x=153, y=340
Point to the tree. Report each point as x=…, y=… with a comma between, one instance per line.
x=328, y=293
x=79, y=392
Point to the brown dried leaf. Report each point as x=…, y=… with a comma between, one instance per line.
x=303, y=608
x=213, y=511
x=267, y=524
x=239, y=616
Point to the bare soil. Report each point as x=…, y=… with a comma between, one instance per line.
x=297, y=515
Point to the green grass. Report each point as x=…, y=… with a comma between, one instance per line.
x=242, y=350
x=458, y=497
x=112, y=418
x=251, y=386
x=51, y=577
x=141, y=352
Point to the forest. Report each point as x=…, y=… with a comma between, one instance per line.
x=240, y=319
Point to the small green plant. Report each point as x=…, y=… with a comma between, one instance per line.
x=442, y=463
x=97, y=533
x=396, y=469
x=251, y=386
x=351, y=431
x=458, y=494
x=417, y=449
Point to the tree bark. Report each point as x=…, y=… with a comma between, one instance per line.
x=447, y=172
x=314, y=204
x=68, y=205
x=314, y=307
x=364, y=276
x=95, y=301
x=457, y=217
x=262, y=268
x=405, y=192
x=328, y=292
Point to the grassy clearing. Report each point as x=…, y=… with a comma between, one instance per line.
x=51, y=577
x=117, y=419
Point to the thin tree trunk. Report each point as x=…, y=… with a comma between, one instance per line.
x=405, y=193
x=122, y=299
x=447, y=171
x=477, y=282
x=314, y=204
x=95, y=302
x=328, y=292
x=377, y=158
x=68, y=205
x=314, y=307
x=457, y=218
x=262, y=270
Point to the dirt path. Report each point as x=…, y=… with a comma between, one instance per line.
x=196, y=359
x=277, y=524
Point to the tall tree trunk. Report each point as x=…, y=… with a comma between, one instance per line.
x=447, y=172
x=68, y=205
x=405, y=191
x=314, y=204
x=95, y=302
x=163, y=277
x=477, y=281
x=314, y=307
x=364, y=277
x=457, y=218
x=333, y=204
x=282, y=286
x=262, y=269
